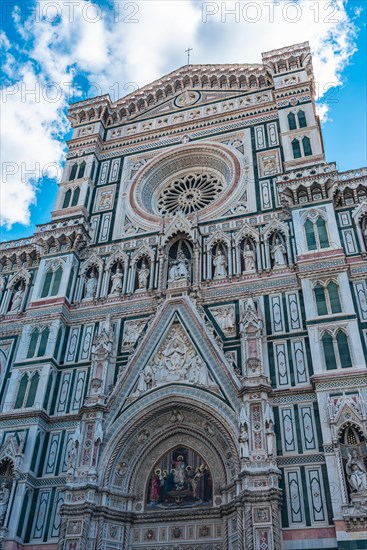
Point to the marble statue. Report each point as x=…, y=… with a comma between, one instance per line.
x=199, y=371
x=143, y=276
x=244, y=415
x=356, y=473
x=4, y=500
x=220, y=265
x=116, y=279
x=225, y=318
x=244, y=444
x=278, y=253
x=17, y=300
x=249, y=258
x=270, y=437
x=91, y=286
x=72, y=457
x=179, y=268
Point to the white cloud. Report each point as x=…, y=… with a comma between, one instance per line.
x=119, y=55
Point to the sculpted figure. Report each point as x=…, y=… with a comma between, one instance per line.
x=179, y=268
x=116, y=279
x=243, y=439
x=278, y=253
x=91, y=286
x=146, y=380
x=199, y=371
x=220, y=265
x=356, y=472
x=17, y=300
x=270, y=438
x=249, y=258
x=143, y=276
x=4, y=499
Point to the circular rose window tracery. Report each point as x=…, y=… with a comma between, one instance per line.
x=189, y=193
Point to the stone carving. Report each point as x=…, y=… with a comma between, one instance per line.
x=132, y=331
x=278, y=253
x=175, y=361
x=143, y=276
x=225, y=317
x=243, y=440
x=356, y=473
x=72, y=458
x=116, y=279
x=269, y=431
x=100, y=355
x=179, y=268
x=17, y=300
x=249, y=258
x=4, y=500
x=91, y=286
x=220, y=265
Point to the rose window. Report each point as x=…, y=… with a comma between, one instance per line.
x=189, y=193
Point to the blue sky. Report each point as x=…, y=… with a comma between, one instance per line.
x=60, y=51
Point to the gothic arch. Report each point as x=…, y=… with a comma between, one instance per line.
x=154, y=430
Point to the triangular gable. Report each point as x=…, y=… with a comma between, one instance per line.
x=176, y=349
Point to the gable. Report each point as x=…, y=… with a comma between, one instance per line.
x=176, y=350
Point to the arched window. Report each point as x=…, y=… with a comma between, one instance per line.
x=320, y=297
x=316, y=233
x=51, y=284
x=21, y=391
x=322, y=233
x=302, y=119
x=334, y=298
x=75, y=197
x=43, y=342
x=32, y=390
x=73, y=171
x=329, y=353
x=327, y=299
x=292, y=121
x=67, y=198
x=81, y=169
x=343, y=349
x=33, y=344
x=306, y=146
x=296, y=149
x=56, y=281
x=336, y=350
x=38, y=343
x=310, y=235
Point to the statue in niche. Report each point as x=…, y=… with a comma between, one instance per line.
x=179, y=268
x=243, y=440
x=244, y=415
x=269, y=431
x=356, y=473
x=143, y=276
x=278, y=253
x=116, y=279
x=17, y=300
x=91, y=286
x=4, y=500
x=220, y=265
x=132, y=331
x=249, y=258
x=72, y=457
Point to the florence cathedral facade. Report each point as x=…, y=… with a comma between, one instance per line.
x=183, y=345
